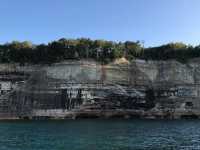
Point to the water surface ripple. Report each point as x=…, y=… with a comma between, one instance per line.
x=115, y=134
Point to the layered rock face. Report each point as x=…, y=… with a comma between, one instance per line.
x=85, y=88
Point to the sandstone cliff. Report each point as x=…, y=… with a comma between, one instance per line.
x=148, y=89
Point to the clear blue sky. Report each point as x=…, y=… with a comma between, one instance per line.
x=154, y=21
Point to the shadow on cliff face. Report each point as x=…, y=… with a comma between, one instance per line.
x=189, y=116
x=150, y=98
x=125, y=101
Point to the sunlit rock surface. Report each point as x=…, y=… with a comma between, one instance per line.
x=86, y=88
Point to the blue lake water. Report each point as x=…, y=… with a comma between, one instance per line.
x=114, y=134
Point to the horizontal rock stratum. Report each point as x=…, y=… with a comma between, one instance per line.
x=89, y=89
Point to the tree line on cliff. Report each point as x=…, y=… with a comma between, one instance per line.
x=101, y=50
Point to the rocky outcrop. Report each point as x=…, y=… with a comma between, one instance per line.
x=85, y=88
